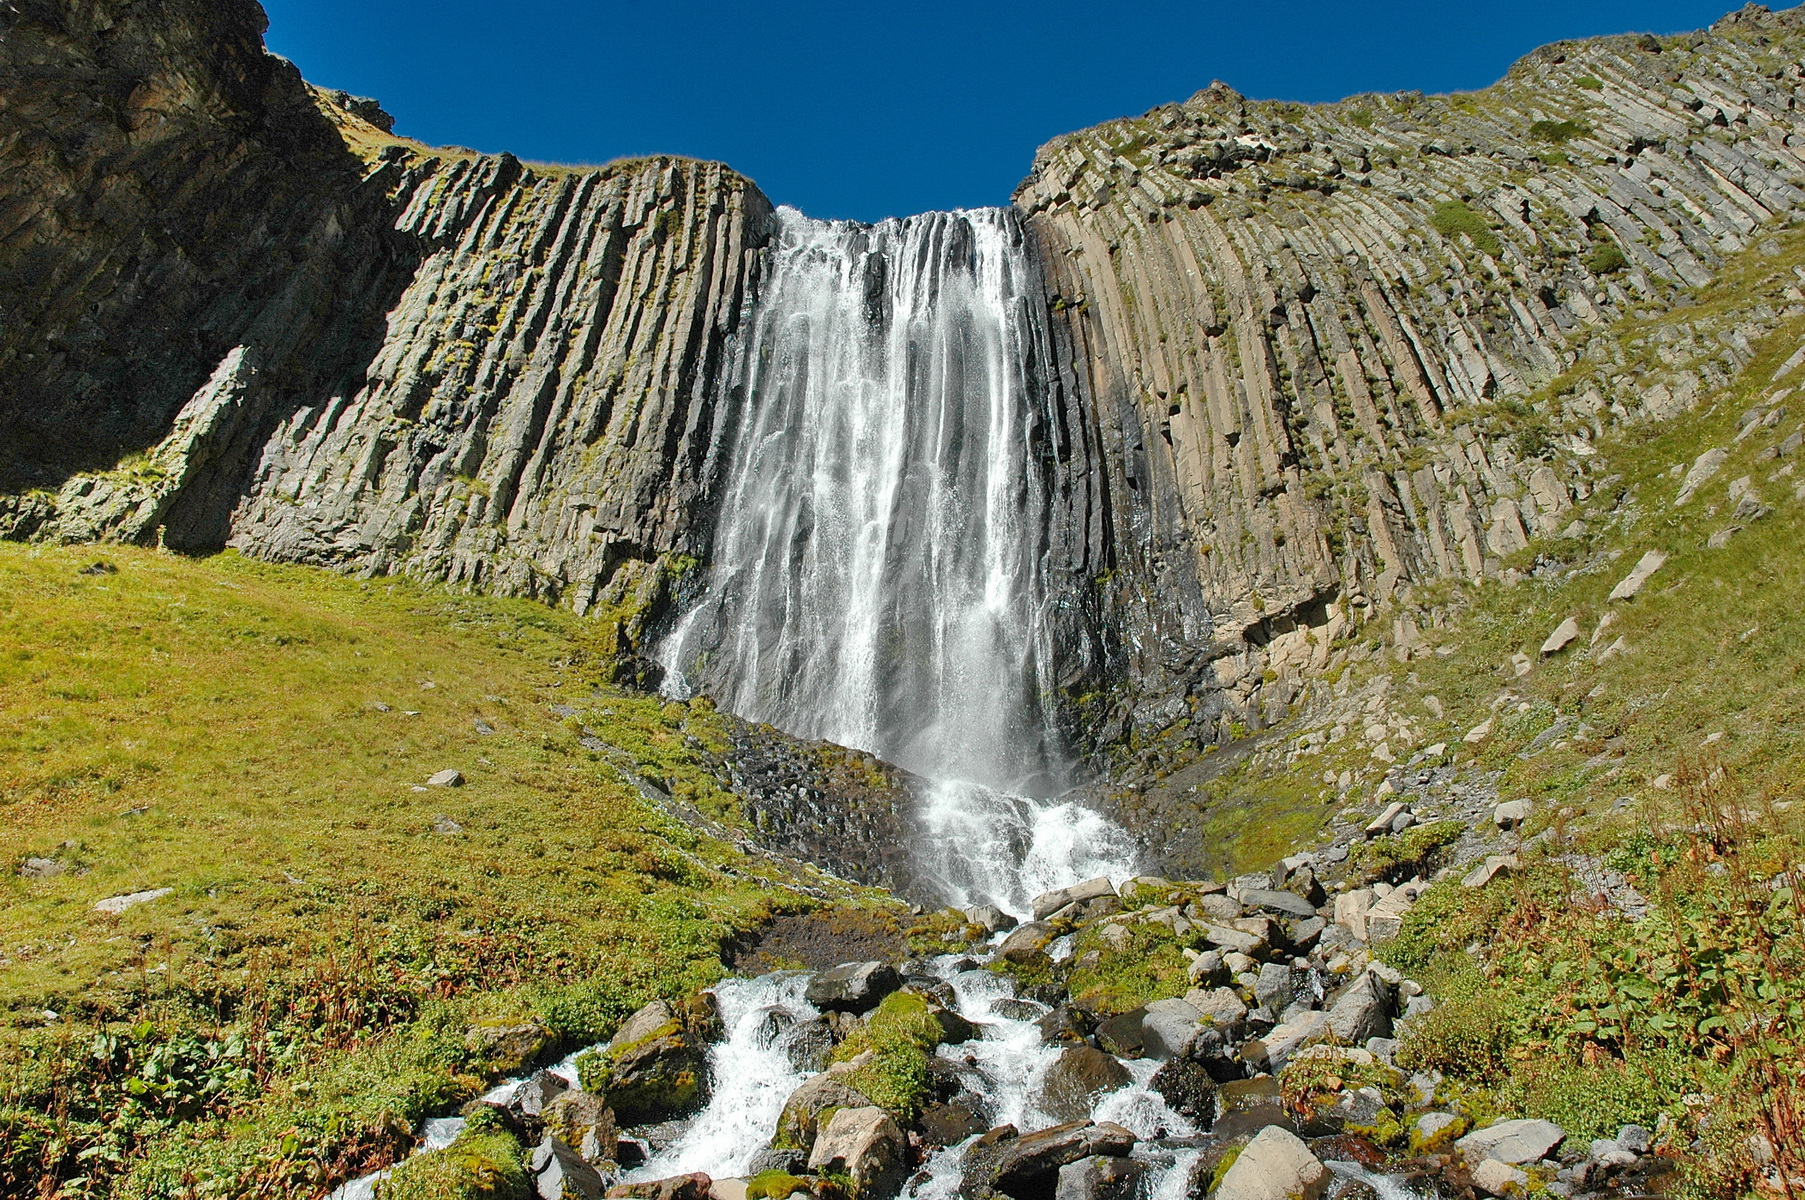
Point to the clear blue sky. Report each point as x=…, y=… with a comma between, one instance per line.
x=867, y=110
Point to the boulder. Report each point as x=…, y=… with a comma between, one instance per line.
x=1078, y=1078
x=1362, y=1011
x=1512, y=1142
x=1048, y=903
x=1499, y=1178
x=1222, y=1007
x=1645, y=567
x=1025, y=941
x=1510, y=814
x=1168, y=1027
x=559, y=1172
x=655, y=1067
x=1188, y=1089
x=1028, y=1165
x=868, y=1146
x=1225, y=938
x=1351, y=909
x=112, y=906
x=1122, y=1034
x=694, y=1186
x=446, y=778
x=531, y=1097
x=1065, y=1025
x=507, y=1049
x=1288, y=903
x=1277, y=985
x=1385, y=918
x=989, y=918
x=582, y=1120
x=797, y=1125
x=1100, y=1178
x=1275, y=1165
x=1493, y=866
x=1381, y=824
x=948, y=1124
x=1564, y=635
x=852, y=987
x=1282, y=1041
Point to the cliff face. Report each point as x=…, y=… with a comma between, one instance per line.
x=1307, y=355
x=284, y=331
x=1325, y=346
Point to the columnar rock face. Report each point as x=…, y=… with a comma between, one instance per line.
x=289, y=333
x=1302, y=356
x=1322, y=343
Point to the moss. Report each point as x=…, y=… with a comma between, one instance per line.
x=1440, y=1140
x=1152, y=967
x=773, y=1185
x=1386, y=1129
x=1222, y=1166
x=1458, y=217
x=900, y=1032
x=476, y=1166
x=1399, y=856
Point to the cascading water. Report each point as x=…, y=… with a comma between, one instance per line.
x=881, y=574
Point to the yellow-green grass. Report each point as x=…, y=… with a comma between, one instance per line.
x=258, y=738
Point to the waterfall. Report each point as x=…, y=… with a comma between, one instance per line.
x=881, y=574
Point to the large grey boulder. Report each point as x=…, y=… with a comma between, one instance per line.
x=852, y=987
x=1512, y=1142
x=1168, y=1027
x=582, y=1120
x=1078, y=1078
x=1275, y=1165
x=1289, y=903
x=1048, y=903
x=655, y=1067
x=868, y=1146
x=559, y=1172
x=1025, y=941
x=989, y=918
x=1362, y=1011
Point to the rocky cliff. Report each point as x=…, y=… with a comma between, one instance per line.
x=1330, y=349
x=241, y=314
x=1310, y=355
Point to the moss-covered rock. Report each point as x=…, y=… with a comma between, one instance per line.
x=482, y=1164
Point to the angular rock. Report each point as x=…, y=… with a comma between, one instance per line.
x=852, y=987
x=1188, y=1089
x=694, y=1186
x=531, y=1097
x=1386, y=917
x=656, y=1067
x=1078, y=1078
x=559, y=1172
x=1362, y=1011
x=1028, y=1165
x=1564, y=635
x=1168, y=1027
x=1630, y=585
x=1233, y=939
x=582, y=1120
x=1497, y=1178
x=1101, y=1178
x=1275, y=1165
x=1351, y=909
x=989, y=918
x=1493, y=866
x=446, y=778
x=1049, y=903
x=1025, y=942
x=1512, y=1142
x=798, y=1124
x=114, y=905
x=1289, y=903
x=1510, y=814
x=865, y=1144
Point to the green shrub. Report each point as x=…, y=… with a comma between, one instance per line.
x=1457, y=216
x=1399, y=856
x=1605, y=259
x=1558, y=132
x=1595, y=1100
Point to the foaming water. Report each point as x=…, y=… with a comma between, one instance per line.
x=752, y=1074
x=883, y=572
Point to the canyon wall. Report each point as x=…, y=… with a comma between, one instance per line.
x=1304, y=356
x=1324, y=345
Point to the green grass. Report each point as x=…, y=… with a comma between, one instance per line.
x=257, y=738
x=1458, y=217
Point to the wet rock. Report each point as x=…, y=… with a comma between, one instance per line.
x=531, y=1097
x=1064, y=1025
x=1188, y=1088
x=1275, y=1165
x=797, y=1126
x=866, y=1145
x=1512, y=1142
x=1122, y=1034
x=948, y=1124
x=808, y=1044
x=1026, y=1167
x=559, y=1172
x=1078, y=1078
x=852, y=987
x=655, y=1067
x=1100, y=1178
x=1013, y=1009
x=694, y=1186
x=1025, y=942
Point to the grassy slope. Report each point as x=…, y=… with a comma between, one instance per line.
x=1679, y=767
x=214, y=727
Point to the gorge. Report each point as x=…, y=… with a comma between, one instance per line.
x=1041, y=696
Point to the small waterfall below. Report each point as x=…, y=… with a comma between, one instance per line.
x=882, y=573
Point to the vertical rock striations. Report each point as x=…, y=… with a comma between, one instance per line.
x=1324, y=345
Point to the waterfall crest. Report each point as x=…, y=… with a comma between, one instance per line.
x=882, y=573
